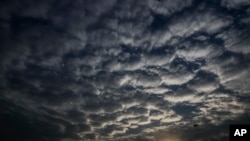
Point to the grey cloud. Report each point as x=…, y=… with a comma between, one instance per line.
x=194, y=51
x=137, y=111
x=184, y=96
x=155, y=112
x=197, y=21
x=176, y=74
x=104, y=38
x=236, y=40
x=146, y=80
x=215, y=107
x=96, y=105
x=234, y=3
x=204, y=82
x=122, y=70
x=167, y=7
x=231, y=71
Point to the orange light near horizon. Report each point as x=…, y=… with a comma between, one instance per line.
x=170, y=138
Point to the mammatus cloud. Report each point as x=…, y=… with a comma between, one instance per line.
x=123, y=70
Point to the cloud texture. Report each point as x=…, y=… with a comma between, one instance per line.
x=123, y=70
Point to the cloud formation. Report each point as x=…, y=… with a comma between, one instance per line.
x=123, y=70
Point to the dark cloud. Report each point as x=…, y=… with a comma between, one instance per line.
x=123, y=70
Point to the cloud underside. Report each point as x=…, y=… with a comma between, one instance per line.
x=122, y=70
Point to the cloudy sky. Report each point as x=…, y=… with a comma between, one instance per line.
x=123, y=70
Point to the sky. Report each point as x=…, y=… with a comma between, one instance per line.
x=123, y=70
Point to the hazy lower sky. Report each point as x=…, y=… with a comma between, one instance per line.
x=123, y=70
